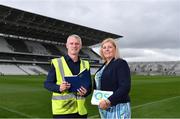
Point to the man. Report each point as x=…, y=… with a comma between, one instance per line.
x=66, y=104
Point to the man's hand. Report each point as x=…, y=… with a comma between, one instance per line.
x=64, y=86
x=82, y=91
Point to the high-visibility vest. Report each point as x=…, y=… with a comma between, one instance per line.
x=67, y=102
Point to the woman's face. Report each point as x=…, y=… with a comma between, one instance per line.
x=108, y=50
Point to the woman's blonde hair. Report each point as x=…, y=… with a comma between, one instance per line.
x=112, y=41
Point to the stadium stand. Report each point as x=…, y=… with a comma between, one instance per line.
x=11, y=69
x=29, y=41
x=44, y=66
x=84, y=55
x=4, y=56
x=52, y=49
x=18, y=45
x=91, y=54
x=4, y=46
x=62, y=49
x=32, y=70
x=176, y=69
x=155, y=68
x=36, y=48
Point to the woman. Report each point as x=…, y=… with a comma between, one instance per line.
x=113, y=75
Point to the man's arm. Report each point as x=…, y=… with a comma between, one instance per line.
x=50, y=82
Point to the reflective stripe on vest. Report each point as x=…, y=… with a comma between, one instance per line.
x=63, y=97
x=80, y=98
x=61, y=68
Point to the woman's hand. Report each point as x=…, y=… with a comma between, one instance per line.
x=104, y=104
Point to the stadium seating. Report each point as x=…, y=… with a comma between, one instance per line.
x=29, y=38
x=52, y=49
x=11, y=69
x=62, y=49
x=32, y=69
x=91, y=54
x=21, y=55
x=4, y=46
x=17, y=44
x=36, y=48
x=155, y=68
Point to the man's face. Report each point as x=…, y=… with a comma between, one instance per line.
x=73, y=46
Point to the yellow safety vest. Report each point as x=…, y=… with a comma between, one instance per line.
x=67, y=102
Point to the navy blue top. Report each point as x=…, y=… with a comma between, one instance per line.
x=51, y=80
x=116, y=77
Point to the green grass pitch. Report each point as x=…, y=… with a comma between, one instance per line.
x=151, y=97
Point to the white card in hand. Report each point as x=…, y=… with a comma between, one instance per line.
x=99, y=95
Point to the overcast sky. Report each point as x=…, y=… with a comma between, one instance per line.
x=151, y=28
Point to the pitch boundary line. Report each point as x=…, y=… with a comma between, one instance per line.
x=14, y=111
x=166, y=99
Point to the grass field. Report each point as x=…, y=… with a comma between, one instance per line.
x=151, y=96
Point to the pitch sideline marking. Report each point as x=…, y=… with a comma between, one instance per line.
x=138, y=106
x=14, y=111
x=166, y=99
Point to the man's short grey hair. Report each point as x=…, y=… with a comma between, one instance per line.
x=76, y=37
